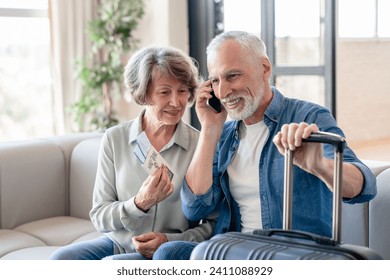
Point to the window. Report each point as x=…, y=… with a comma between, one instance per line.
x=300, y=36
x=242, y=15
x=383, y=20
x=25, y=82
x=363, y=52
x=297, y=33
x=363, y=19
x=300, y=62
x=297, y=52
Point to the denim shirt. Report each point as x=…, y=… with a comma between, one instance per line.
x=312, y=200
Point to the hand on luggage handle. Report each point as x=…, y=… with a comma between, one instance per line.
x=338, y=143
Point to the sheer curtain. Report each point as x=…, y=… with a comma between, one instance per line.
x=69, y=42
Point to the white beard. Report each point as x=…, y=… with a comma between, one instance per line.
x=251, y=104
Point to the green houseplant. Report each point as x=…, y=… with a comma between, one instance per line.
x=101, y=72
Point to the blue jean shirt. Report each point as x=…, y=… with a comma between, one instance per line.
x=312, y=200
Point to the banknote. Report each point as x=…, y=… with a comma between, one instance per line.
x=148, y=156
x=154, y=161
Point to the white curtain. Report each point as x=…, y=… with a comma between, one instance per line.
x=69, y=42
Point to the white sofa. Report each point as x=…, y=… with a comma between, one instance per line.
x=46, y=193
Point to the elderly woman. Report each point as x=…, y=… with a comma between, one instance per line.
x=139, y=209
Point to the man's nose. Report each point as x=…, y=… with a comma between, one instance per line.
x=223, y=90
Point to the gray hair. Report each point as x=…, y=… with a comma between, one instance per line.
x=252, y=44
x=169, y=61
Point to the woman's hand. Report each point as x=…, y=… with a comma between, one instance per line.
x=146, y=244
x=155, y=188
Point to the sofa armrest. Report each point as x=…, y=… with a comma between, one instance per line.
x=379, y=217
x=376, y=166
x=83, y=166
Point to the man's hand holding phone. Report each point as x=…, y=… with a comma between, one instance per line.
x=214, y=103
x=207, y=108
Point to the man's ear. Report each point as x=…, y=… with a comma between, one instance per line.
x=267, y=68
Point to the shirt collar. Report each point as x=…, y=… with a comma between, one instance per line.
x=180, y=137
x=275, y=107
x=136, y=128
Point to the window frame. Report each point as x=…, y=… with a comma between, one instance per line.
x=19, y=12
x=327, y=70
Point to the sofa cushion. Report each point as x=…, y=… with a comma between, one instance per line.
x=38, y=240
x=32, y=182
x=88, y=236
x=32, y=253
x=12, y=240
x=57, y=231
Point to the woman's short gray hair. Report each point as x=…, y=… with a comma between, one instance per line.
x=168, y=61
x=252, y=44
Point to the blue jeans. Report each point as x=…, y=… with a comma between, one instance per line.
x=95, y=249
x=127, y=256
x=103, y=248
x=175, y=250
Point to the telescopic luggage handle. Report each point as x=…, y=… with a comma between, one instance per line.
x=338, y=143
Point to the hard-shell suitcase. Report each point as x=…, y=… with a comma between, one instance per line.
x=285, y=244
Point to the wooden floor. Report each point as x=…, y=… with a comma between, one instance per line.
x=373, y=150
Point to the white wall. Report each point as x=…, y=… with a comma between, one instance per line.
x=165, y=23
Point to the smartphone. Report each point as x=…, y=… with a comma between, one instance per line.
x=214, y=103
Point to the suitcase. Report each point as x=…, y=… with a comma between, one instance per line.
x=287, y=244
